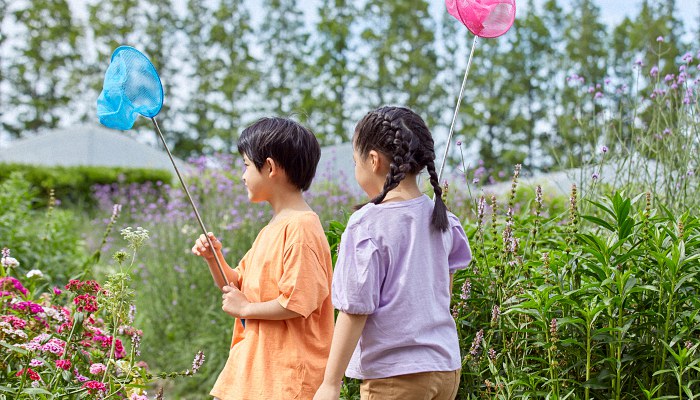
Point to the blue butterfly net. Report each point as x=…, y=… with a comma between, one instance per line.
x=131, y=87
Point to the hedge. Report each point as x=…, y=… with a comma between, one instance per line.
x=74, y=184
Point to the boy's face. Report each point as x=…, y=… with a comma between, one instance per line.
x=255, y=181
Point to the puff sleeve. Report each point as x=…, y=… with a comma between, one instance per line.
x=460, y=254
x=359, y=273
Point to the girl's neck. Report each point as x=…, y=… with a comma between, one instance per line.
x=406, y=190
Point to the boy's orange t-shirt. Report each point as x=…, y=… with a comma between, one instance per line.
x=289, y=262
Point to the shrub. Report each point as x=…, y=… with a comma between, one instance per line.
x=74, y=184
x=77, y=340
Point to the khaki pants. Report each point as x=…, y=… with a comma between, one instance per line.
x=436, y=385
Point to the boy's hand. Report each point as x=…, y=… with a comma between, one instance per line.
x=234, y=301
x=327, y=392
x=201, y=246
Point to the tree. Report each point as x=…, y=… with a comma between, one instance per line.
x=398, y=65
x=325, y=104
x=223, y=73
x=39, y=72
x=161, y=33
x=283, y=38
x=586, y=57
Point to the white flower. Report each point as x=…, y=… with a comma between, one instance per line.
x=9, y=262
x=35, y=272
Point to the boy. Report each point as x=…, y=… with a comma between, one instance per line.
x=281, y=287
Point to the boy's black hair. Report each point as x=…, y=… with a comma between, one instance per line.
x=403, y=137
x=291, y=145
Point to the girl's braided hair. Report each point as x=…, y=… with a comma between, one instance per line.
x=402, y=136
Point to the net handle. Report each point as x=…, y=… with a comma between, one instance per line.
x=187, y=192
x=459, y=102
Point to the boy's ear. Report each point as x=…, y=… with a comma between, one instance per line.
x=270, y=167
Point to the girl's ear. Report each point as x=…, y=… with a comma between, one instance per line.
x=375, y=160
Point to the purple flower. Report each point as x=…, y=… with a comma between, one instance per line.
x=492, y=354
x=595, y=176
x=459, y=143
x=669, y=78
x=5, y=252
x=607, y=81
x=639, y=62
x=476, y=344
x=197, y=362
x=475, y=181
x=466, y=290
x=660, y=39
x=598, y=95
x=604, y=149
x=654, y=71
x=667, y=131
x=57, y=291
x=688, y=57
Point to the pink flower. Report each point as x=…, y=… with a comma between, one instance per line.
x=138, y=397
x=55, y=346
x=10, y=283
x=36, y=362
x=29, y=372
x=660, y=39
x=86, y=302
x=97, y=368
x=95, y=386
x=63, y=364
x=57, y=291
x=79, y=377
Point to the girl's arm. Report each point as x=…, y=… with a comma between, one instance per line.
x=348, y=328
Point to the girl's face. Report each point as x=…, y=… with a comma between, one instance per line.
x=366, y=173
x=255, y=181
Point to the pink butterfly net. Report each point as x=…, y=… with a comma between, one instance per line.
x=484, y=18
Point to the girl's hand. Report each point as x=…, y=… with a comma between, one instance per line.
x=234, y=301
x=328, y=392
x=201, y=247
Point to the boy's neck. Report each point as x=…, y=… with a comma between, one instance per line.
x=286, y=201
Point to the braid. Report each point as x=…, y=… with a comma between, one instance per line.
x=402, y=136
x=398, y=167
x=439, y=217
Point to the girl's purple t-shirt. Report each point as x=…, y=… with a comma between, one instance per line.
x=395, y=268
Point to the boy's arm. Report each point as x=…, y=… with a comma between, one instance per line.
x=348, y=328
x=231, y=274
x=202, y=249
x=237, y=305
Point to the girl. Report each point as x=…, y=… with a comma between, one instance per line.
x=393, y=278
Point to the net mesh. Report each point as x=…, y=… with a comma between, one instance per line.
x=484, y=18
x=131, y=88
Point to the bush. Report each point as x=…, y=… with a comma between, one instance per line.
x=48, y=239
x=74, y=184
x=78, y=340
x=601, y=305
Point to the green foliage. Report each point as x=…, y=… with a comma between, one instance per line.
x=71, y=341
x=591, y=306
x=74, y=185
x=45, y=239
